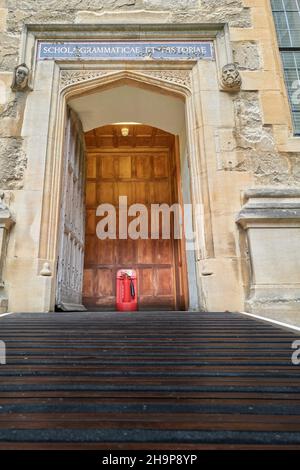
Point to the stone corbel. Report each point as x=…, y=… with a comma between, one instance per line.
x=6, y=222
x=231, y=80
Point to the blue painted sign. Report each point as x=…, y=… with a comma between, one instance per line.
x=128, y=50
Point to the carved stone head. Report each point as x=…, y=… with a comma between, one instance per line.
x=2, y=203
x=231, y=78
x=21, y=77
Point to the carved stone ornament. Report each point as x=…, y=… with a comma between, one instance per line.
x=46, y=270
x=3, y=206
x=20, y=78
x=231, y=79
x=178, y=77
x=69, y=77
x=6, y=218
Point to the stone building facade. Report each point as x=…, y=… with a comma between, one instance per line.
x=238, y=152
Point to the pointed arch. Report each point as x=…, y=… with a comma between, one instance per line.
x=72, y=84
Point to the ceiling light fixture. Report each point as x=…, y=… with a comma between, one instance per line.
x=127, y=123
x=125, y=131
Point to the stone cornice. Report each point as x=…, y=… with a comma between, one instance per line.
x=270, y=205
x=133, y=31
x=272, y=193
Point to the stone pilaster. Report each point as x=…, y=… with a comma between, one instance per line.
x=271, y=218
x=6, y=222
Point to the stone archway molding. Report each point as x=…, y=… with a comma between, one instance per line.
x=181, y=78
x=72, y=83
x=55, y=82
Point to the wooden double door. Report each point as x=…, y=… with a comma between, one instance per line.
x=70, y=260
x=145, y=175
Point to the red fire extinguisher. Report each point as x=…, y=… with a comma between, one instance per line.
x=126, y=290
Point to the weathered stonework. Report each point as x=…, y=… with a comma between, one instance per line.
x=9, y=50
x=294, y=161
x=213, y=11
x=255, y=146
x=248, y=121
x=25, y=12
x=9, y=109
x=11, y=115
x=234, y=141
x=189, y=11
x=13, y=163
x=246, y=55
x=72, y=5
x=169, y=4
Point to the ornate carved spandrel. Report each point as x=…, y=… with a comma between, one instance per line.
x=70, y=77
x=177, y=77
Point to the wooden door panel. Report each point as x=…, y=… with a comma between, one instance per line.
x=90, y=222
x=145, y=252
x=107, y=167
x=146, y=284
x=105, y=252
x=162, y=192
x=125, y=189
x=125, y=253
x=88, y=283
x=91, y=167
x=105, y=193
x=125, y=164
x=145, y=178
x=90, y=194
x=163, y=252
x=160, y=166
x=165, y=282
x=90, y=245
x=104, y=286
x=142, y=193
x=143, y=166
